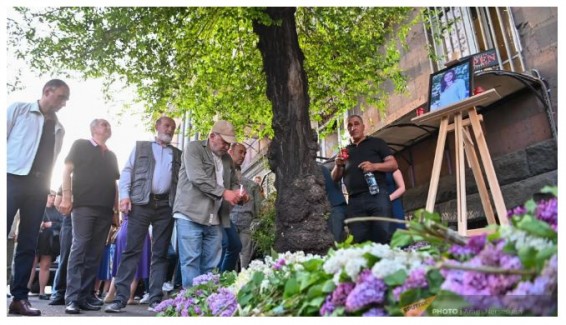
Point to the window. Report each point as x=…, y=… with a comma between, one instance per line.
x=456, y=32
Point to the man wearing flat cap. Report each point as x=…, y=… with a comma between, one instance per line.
x=206, y=191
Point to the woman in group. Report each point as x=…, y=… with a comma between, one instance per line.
x=143, y=266
x=452, y=90
x=47, y=245
x=396, y=189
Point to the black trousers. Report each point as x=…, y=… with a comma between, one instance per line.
x=28, y=194
x=365, y=205
x=158, y=214
x=90, y=229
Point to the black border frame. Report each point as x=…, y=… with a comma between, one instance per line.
x=437, y=77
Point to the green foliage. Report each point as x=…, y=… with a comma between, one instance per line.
x=204, y=61
x=426, y=227
x=264, y=230
x=297, y=289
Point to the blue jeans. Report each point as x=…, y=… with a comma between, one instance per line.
x=336, y=222
x=199, y=246
x=65, y=240
x=231, y=248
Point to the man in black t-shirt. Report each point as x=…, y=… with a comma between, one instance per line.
x=89, y=178
x=365, y=154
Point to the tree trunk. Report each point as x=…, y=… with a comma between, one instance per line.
x=301, y=203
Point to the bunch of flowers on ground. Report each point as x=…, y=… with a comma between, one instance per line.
x=209, y=296
x=428, y=270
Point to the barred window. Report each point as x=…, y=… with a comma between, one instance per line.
x=456, y=32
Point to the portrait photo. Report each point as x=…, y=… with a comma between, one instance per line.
x=450, y=85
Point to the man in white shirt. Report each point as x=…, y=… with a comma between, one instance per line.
x=34, y=141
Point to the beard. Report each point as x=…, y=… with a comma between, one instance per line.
x=164, y=138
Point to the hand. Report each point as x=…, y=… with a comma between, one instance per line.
x=66, y=206
x=339, y=161
x=231, y=197
x=46, y=224
x=125, y=205
x=366, y=166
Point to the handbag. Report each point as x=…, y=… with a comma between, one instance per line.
x=112, y=234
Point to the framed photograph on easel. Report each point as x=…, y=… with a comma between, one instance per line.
x=450, y=85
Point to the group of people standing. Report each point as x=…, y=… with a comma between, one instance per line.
x=206, y=176
x=200, y=192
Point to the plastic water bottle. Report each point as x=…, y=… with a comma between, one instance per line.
x=372, y=183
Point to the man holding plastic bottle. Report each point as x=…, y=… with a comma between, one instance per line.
x=363, y=166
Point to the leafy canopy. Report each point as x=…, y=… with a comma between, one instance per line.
x=204, y=61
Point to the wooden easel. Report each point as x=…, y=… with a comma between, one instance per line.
x=463, y=115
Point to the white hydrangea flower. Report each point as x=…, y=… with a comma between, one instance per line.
x=521, y=238
x=339, y=259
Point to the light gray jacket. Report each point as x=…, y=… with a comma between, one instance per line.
x=197, y=189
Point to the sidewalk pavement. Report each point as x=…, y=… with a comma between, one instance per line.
x=59, y=311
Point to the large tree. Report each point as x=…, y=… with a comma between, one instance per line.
x=221, y=62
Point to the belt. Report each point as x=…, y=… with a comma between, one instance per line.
x=159, y=197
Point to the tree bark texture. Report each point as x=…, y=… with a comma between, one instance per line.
x=301, y=203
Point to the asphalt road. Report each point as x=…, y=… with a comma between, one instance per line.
x=59, y=311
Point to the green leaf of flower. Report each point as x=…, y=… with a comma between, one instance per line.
x=328, y=286
x=291, y=288
x=401, y=238
x=536, y=227
x=396, y=279
x=435, y=280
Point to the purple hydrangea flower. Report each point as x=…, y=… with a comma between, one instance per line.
x=474, y=245
x=327, y=308
x=205, y=278
x=164, y=305
x=416, y=246
x=517, y=211
x=539, y=297
x=483, y=287
x=368, y=290
x=416, y=279
x=373, y=312
x=341, y=292
x=222, y=303
x=279, y=264
x=547, y=211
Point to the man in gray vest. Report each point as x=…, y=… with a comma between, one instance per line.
x=147, y=192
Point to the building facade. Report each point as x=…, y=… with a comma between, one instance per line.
x=520, y=128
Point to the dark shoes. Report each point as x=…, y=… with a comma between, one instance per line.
x=57, y=301
x=23, y=307
x=115, y=307
x=88, y=306
x=94, y=301
x=44, y=297
x=153, y=306
x=73, y=308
